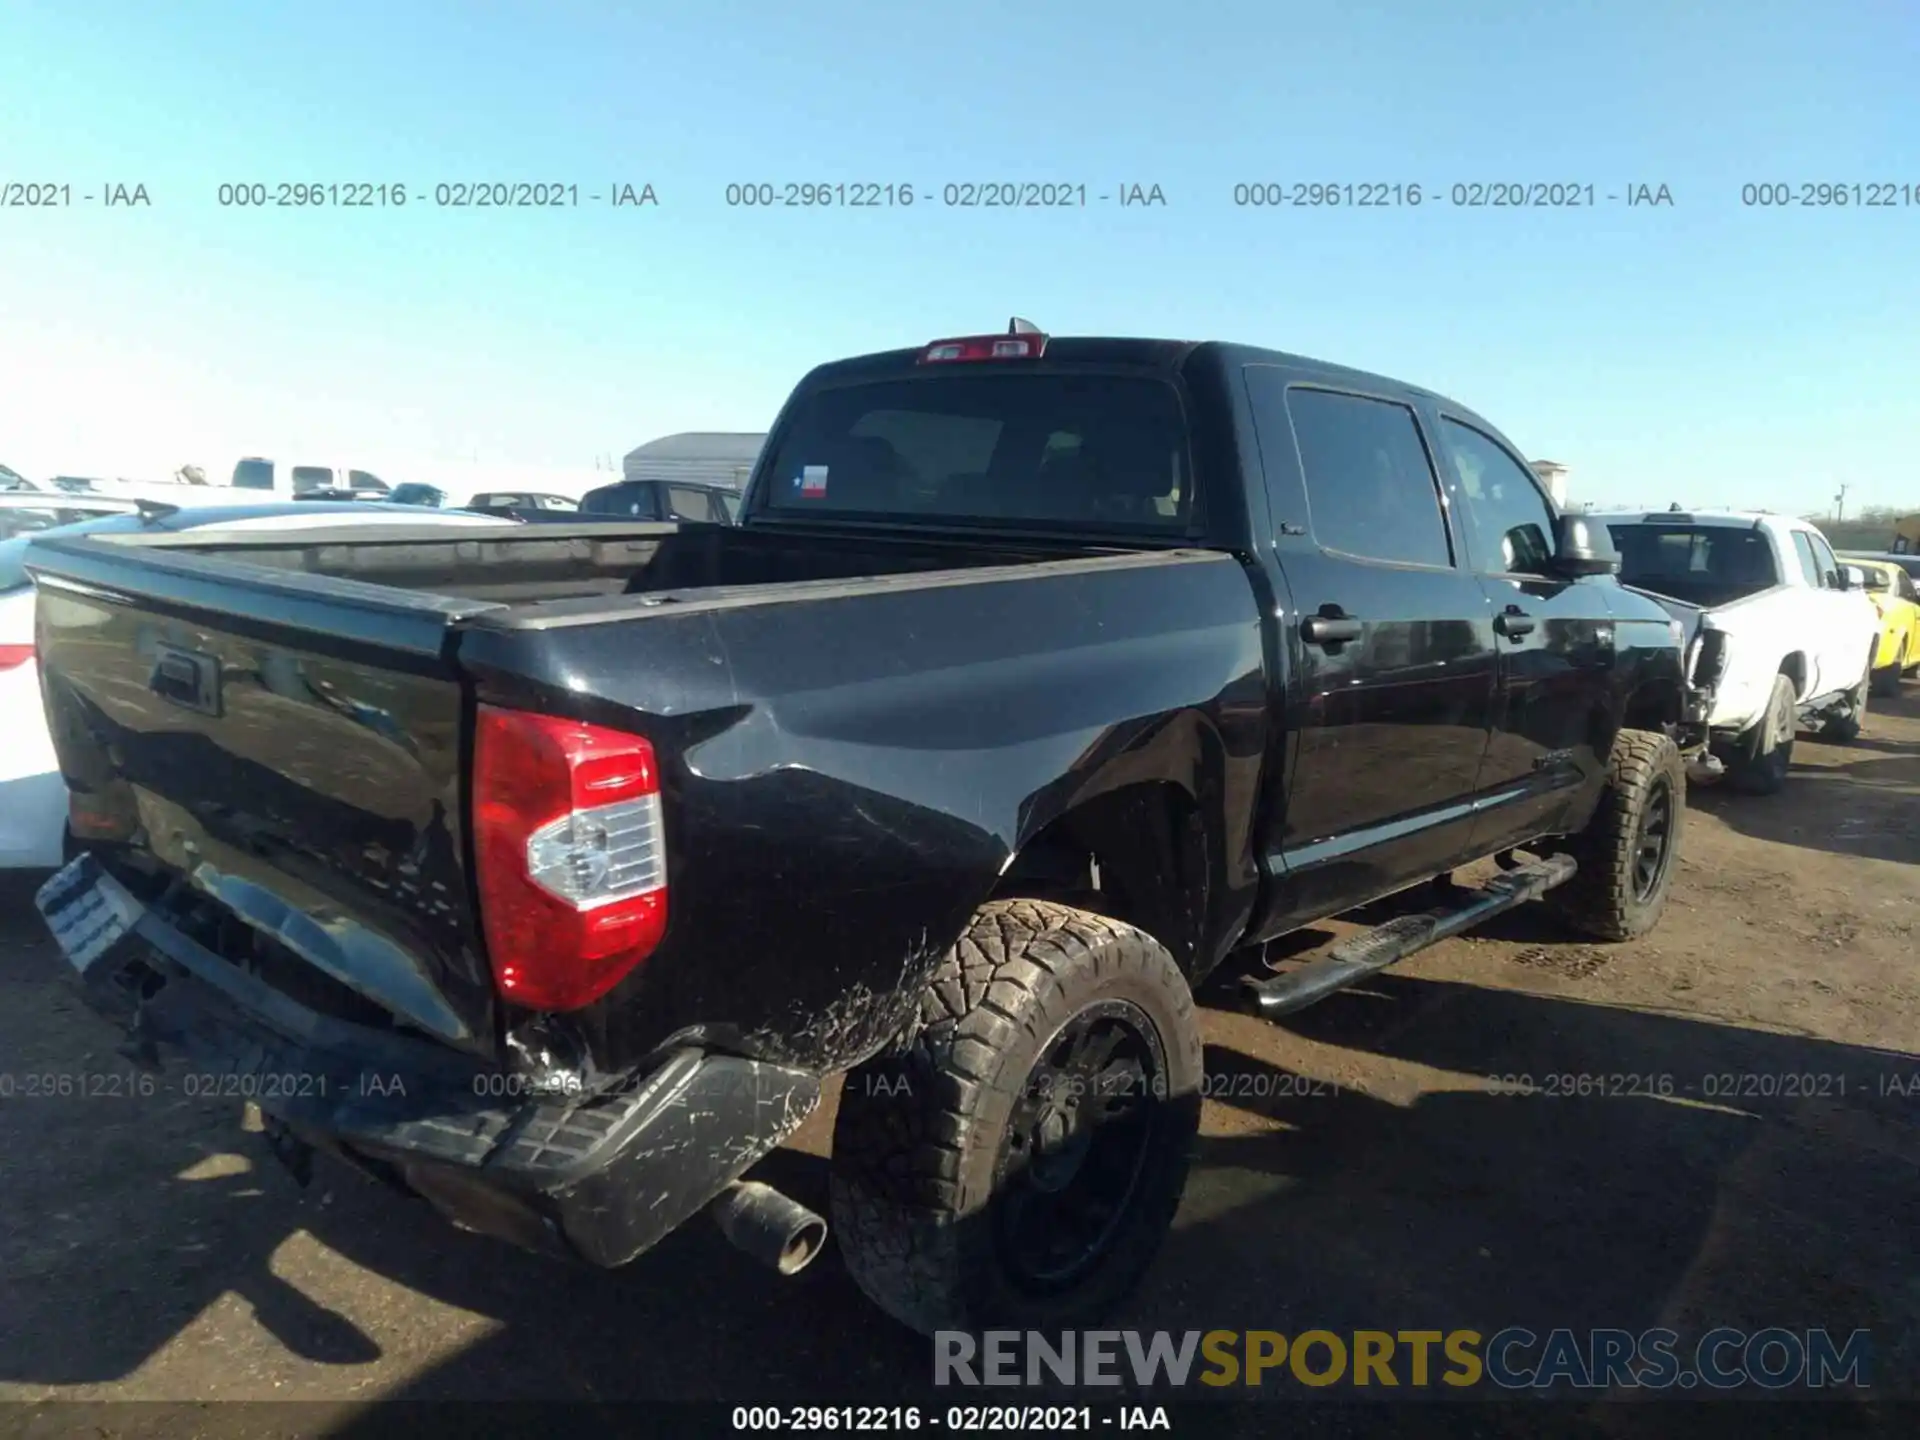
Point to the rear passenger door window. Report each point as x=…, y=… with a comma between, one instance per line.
x=635, y=501
x=1509, y=519
x=1371, y=491
x=688, y=504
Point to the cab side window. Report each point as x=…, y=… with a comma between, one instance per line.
x=1371, y=490
x=1823, y=558
x=1809, y=565
x=1510, y=521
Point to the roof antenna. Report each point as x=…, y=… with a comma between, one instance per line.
x=1017, y=326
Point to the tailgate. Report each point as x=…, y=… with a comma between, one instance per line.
x=291, y=744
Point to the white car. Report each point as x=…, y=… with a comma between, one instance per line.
x=23, y=512
x=254, y=472
x=1780, y=633
x=33, y=797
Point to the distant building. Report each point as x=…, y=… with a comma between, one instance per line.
x=705, y=456
x=1553, y=475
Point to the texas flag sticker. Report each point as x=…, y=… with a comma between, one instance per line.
x=813, y=481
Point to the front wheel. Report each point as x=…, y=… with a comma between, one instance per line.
x=1019, y=1164
x=1630, y=847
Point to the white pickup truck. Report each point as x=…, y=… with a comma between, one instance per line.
x=1779, y=633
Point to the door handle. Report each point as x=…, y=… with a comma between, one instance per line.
x=1513, y=622
x=1330, y=629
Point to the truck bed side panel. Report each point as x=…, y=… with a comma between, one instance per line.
x=849, y=774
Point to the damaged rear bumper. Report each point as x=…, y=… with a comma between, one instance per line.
x=598, y=1178
x=1694, y=737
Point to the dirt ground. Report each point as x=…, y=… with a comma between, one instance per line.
x=1363, y=1166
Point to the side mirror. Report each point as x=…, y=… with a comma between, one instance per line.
x=1852, y=577
x=1584, y=547
x=1875, y=581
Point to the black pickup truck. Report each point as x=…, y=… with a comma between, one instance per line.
x=550, y=874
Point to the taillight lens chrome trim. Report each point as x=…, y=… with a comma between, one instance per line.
x=601, y=855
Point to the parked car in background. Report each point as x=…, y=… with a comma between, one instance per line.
x=535, y=505
x=1908, y=563
x=663, y=500
x=258, y=473
x=524, y=505
x=24, y=511
x=1889, y=585
x=340, y=492
x=1779, y=633
x=33, y=798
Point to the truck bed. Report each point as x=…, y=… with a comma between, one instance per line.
x=287, y=727
x=585, y=560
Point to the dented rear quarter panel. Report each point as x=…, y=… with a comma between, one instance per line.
x=850, y=768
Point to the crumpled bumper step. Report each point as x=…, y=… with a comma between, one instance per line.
x=607, y=1174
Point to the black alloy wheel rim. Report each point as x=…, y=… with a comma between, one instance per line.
x=1073, y=1156
x=1653, y=841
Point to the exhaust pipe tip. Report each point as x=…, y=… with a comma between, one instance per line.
x=777, y=1231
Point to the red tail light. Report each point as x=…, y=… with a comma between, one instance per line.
x=12, y=657
x=571, y=855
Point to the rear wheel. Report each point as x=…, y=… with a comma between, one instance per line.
x=1843, y=724
x=1629, y=849
x=1759, y=762
x=1019, y=1164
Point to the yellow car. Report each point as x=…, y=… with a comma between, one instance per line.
x=1891, y=589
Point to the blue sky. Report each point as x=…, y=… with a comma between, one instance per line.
x=1705, y=351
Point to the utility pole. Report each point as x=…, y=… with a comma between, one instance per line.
x=1840, y=505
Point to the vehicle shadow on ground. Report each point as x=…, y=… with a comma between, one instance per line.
x=1864, y=806
x=1341, y=1207
x=1314, y=1204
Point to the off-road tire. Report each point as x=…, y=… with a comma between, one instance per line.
x=1761, y=758
x=1604, y=899
x=920, y=1129
x=1843, y=727
x=1886, y=681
